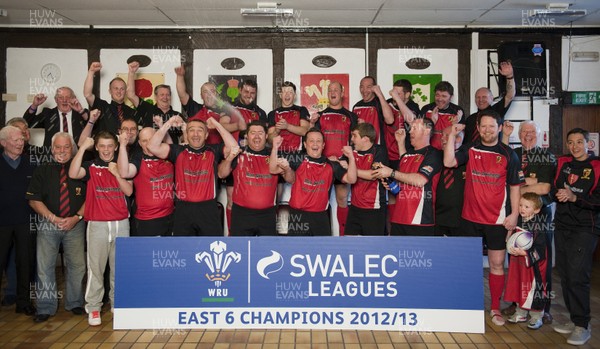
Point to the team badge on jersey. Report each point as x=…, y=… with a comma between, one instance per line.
x=77, y=191
x=586, y=173
x=572, y=178
x=498, y=159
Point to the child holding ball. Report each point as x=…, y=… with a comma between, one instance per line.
x=526, y=282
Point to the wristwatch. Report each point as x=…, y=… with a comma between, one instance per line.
x=80, y=217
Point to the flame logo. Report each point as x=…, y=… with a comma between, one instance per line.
x=274, y=263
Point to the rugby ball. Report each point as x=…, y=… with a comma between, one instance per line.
x=521, y=238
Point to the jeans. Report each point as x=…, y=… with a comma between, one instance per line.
x=49, y=238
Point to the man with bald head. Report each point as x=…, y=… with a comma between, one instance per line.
x=68, y=116
x=336, y=123
x=153, y=180
x=484, y=100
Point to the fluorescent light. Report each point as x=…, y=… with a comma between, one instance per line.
x=267, y=9
x=557, y=10
x=585, y=56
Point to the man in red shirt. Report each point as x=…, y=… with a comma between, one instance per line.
x=106, y=213
x=492, y=192
x=336, y=123
x=254, y=187
x=373, y=108
x=311, y=178
x=443, y=112
x=196, y=211
x=417, y=176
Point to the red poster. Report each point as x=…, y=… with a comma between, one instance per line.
x=313, y=90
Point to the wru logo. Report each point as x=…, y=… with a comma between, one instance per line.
x=218, y=261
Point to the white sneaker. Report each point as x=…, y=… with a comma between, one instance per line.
x=579, y=336
x=565, y=328
x=94, y=318
x=497, y=318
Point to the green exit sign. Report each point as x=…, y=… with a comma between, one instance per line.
x=585, y=98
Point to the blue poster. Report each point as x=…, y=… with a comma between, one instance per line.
x=381, y=283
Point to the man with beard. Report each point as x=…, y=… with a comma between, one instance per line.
x=492, y=193
x=442, y=112
x=336, y=123
x=254, y=187
x=111, y=114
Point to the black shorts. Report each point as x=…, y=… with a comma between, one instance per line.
x=368, y=222
x=162, y=226
x=443, y=230
x=303, y=223
x=250, y=222
x=412, y=230
x=228, y=181
x=494, y=236
x=197, y=219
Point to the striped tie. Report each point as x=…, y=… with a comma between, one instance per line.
x=64, y=209
x=65, y=123
x=448, y=177
x=120, y=112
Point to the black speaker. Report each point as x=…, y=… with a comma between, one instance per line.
x=529, y=66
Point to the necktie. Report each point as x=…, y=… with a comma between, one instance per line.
x=64, y=209
x=475, y=135
x=65, y=123
x=524, y=160
x=448, y=177
x=120, y=112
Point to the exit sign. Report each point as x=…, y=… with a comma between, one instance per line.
x=585, y=98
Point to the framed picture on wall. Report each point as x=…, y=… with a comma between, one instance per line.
x=314, y=87
x=422, y=86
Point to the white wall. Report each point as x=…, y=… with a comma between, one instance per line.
x=24, y=79
x=580, y=76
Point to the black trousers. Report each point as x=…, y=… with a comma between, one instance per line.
x=574, y=256
x=23, y=238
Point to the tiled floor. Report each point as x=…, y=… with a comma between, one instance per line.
x=68, y=331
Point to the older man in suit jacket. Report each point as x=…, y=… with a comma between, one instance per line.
x=68, y=116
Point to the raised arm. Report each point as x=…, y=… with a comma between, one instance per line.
x=228, y=139
x=76, y=171
x=388, y=114
x=351, y=172
x=449, y=152
x=506, y=70
x=408, y=114
x=184, y=97
x=156, y=145
x=507, y=130
x=133, y=68
x=89, y=126
x=126, y=170
x=88, y=84
x=31, y=112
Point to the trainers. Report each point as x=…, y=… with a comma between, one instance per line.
x=565, y=328
x=547, y=319
x=94, y=318
x=579, y=336
x=517, y=318
x=535, y=324
x=508, y=311
x=497, y=318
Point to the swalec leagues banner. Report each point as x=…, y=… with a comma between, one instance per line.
x=374, y=283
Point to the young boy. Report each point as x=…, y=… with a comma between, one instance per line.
x=106, y=214
x=526, y=283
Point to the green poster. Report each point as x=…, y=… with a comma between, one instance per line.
x=423, y=85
